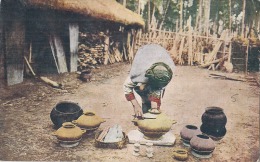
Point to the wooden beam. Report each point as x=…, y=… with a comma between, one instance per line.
x=74, y=38
x=14, y=34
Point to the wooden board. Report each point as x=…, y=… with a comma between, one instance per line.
x=74, y=38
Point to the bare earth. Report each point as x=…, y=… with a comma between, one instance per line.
x=26, y=127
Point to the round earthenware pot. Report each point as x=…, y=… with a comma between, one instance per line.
x=180, y=154
x=154, y=129
x=188, y=132
x=214, y=117
x=215, y=133
x=65, y=111
x=202, y=146
x=69, y=132
x=89, y=121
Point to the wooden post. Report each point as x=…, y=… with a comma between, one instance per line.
x=74, y=38
x=14, y=34
x=190, y=56
x=106, y=48
x=129, y=47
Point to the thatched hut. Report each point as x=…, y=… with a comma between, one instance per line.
x=34, y=26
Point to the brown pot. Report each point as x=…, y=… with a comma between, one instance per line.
x=69, y=132
x=188, y=132
x=89, y=121
x=202, y=146
x=155, y=128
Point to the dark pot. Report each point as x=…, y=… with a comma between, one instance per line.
x=216, y=133
x=65, y=111
x=214, y=117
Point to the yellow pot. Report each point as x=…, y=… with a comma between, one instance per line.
x=69, y=132
x=180, y=154
x=89, y=120
x=155, y=128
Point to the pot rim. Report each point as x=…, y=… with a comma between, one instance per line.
x=62, y=102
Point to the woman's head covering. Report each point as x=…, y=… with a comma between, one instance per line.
x=159, y=75
x=152, y=63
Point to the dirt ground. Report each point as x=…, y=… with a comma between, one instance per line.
x=26, y=127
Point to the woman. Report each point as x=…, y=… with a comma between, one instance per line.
x=151, y=71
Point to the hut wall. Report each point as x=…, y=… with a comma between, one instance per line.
x=1, y=45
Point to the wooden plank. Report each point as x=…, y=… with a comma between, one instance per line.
x=60, y=53
x=54, y=53
x=216, y=48
x=74, y=38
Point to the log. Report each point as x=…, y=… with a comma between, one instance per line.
x=213, y=62
x=50, y=82
x=44, y=79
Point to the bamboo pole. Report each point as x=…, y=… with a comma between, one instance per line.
x=243, y=20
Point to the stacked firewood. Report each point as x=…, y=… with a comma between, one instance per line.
x=91, y=50
x=96, y=49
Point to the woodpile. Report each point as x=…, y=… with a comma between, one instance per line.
x=91, y=50
x=96, y=49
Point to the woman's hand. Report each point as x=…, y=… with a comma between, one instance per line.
x=137, y=109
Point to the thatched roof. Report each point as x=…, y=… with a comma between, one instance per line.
x=108, y=10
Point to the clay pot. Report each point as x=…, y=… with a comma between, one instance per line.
x=69, y=132
x=89, y=121
x=65, y=111
x=188, y=132
x=213, y=122
x=214, y=117
x=86, y=75
x=216, y=133
x=202, y=146
x=180, y=154
x=154, y=129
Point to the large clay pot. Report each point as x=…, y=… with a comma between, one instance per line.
x=214, y=117
x=65, y=111
x=69, y=132
x=89, y=121
x=154, y=129
x=188, y=132
x=202, y=146
x=213, y=122
x=216, y=133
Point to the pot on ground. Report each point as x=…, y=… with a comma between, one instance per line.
x=65, y=111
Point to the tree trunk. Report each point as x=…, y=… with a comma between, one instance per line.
x=181, y=15
x=243, y=20
x=148, y=18
x=230, y=16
